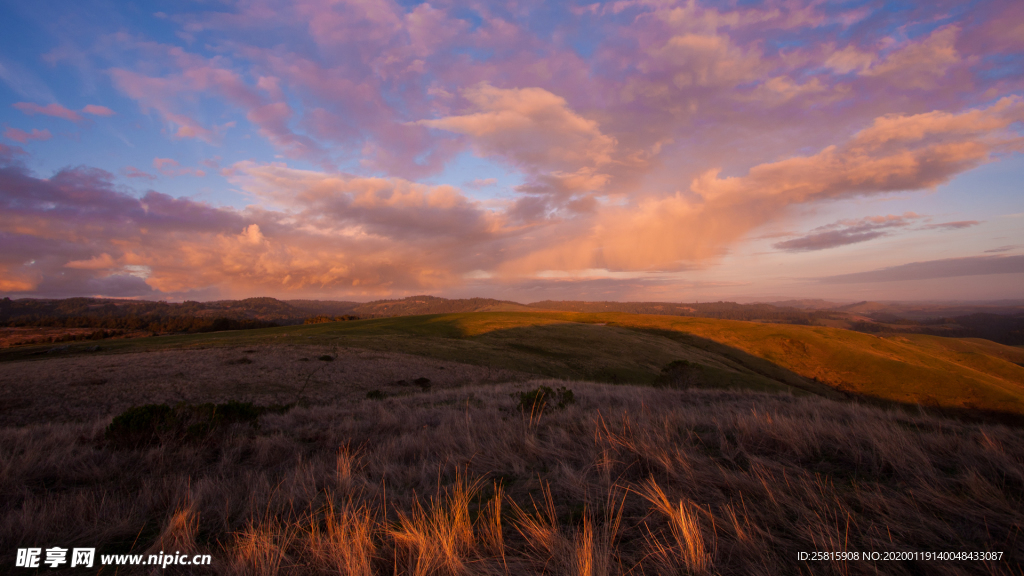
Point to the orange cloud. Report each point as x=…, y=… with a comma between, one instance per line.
x=895, y=153
x=101, y=262
x=530, y=127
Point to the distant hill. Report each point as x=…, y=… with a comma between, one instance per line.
x=328, y=307
x=416, y=305
x=30, y=311
x=805, y=304
x=864, y=308
x=721, y=310
x=1002, y=322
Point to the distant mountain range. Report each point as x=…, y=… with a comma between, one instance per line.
x=1001, y=322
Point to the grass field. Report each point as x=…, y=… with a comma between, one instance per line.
x=625, y=480
x=623, y=348
x=405, y=446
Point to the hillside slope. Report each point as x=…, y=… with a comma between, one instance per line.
x=917, y=369
x=626, y=348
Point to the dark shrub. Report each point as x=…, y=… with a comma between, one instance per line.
x=423, y=383
x=147, y=425
x=239, y=411
x=326, y=358
x=681, y=374
x=541, y=397
x=376, y=395
x=322, y=319
x=140, y=425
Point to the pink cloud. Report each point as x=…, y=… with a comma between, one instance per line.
x=537, y=132
x=133, y=172
x=958, y=225
x=55, y=110
x=531, y=127
x=161, y=163
x=9, y=154
x=919, y=64
x=478, y=183
x=158, y=94
x=169, y=167
x=23, y=137
x=98, y=110
x=273, y=122
x=197, y=75
x=845, y=232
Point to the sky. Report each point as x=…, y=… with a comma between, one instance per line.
x=522, y=150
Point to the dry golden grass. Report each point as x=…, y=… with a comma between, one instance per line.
x=629, y=480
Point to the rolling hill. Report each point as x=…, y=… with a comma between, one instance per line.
x=625, y=348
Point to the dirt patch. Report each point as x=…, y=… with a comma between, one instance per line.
x=86, y=387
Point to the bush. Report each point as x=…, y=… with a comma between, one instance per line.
x=322, y=319
x=140, y=425
x=539, y=398
x=150, y=424
x=376, y=395
x=681, y=374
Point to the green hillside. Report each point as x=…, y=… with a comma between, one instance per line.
x=617, y=347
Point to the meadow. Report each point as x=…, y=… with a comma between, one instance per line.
x=414, y=446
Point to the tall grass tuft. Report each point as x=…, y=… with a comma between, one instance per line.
x=684, y=549
x=343, y=540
